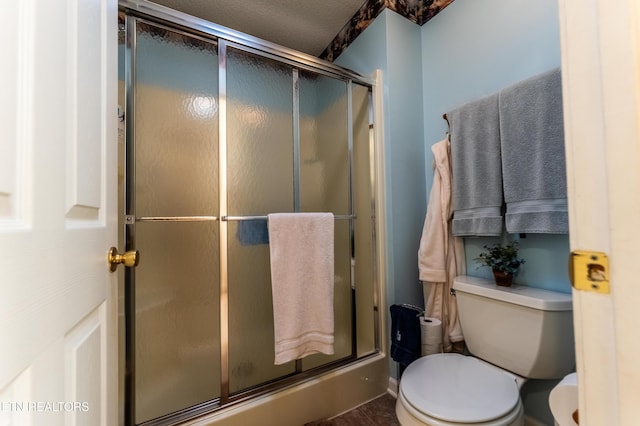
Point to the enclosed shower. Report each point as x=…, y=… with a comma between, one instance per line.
x=218, y=130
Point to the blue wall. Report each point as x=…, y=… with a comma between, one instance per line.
x=392, y=44
x=475, y=48
x=471, y=49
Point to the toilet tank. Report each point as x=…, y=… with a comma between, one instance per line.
x=525, y=330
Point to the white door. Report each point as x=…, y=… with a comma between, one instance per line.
x=601, y=85
x=58, y=118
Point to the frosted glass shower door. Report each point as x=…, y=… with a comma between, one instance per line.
x=324, y=186
x=288, y=151
x=174, y=191
x=260, y=181
x=219, y=133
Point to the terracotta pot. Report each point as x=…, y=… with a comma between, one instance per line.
x=502, y=278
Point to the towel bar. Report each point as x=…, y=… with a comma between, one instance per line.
x=130, y=219
x=231, y=218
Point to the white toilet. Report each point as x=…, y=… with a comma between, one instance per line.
x=514, y=333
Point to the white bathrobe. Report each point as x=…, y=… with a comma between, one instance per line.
x=441, y=255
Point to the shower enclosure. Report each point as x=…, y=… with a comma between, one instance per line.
x=222, y=129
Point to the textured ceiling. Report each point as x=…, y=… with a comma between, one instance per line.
x=304, y=25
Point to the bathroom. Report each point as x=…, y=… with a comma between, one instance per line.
x=524, y=40
x=58, y=198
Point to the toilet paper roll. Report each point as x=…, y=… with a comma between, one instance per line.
x=563, y=401
x=431, y=335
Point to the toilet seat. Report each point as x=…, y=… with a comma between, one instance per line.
x=458, y=389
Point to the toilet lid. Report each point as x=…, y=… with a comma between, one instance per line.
x=458, y=388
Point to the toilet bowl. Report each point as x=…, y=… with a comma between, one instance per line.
x=513, y=334
x=453, y=389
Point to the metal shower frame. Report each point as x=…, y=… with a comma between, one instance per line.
x=223, y=37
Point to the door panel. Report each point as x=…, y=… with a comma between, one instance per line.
x=83, y=348
x=84, y=142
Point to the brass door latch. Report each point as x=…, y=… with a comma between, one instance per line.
x=589, y=271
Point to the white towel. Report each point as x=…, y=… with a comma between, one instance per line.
x=302, y=278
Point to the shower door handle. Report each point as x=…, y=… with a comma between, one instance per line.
x=128, y=258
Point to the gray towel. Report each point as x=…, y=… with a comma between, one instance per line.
x=533, y=159
x=477, y=172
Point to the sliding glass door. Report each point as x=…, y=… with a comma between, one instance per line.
x=219, y=135
x=174, y=194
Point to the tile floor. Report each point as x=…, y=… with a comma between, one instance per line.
x=379, y=412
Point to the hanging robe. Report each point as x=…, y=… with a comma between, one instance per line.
x=441, y=255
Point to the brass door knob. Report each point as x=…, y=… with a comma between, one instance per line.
x=129, y=258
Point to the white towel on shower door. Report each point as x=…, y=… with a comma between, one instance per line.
x=301, y=246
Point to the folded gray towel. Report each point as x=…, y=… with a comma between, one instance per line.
x=533, y=159
x=477, y=172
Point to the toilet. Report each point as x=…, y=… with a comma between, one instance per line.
x=513, y=334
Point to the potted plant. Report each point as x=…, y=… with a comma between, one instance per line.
x=503, y=261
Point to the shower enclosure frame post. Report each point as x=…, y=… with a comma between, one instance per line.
x=295, y=103
x=130, y=223
x=350, y=201
x=222, y=183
